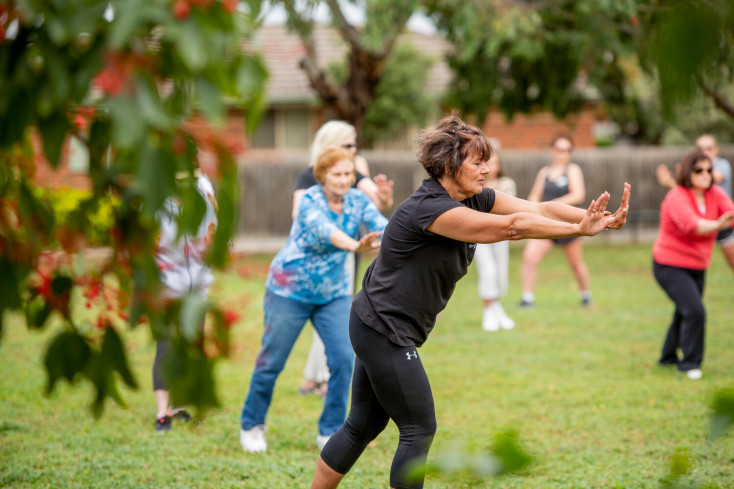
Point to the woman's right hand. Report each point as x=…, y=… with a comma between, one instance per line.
x=725, y=220
x=368, y=242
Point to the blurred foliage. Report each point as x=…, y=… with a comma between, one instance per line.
x=641, y=59
x=505, y=455
x=73, y=219
x=530, y=56
x=127, y=79
x=723, y=414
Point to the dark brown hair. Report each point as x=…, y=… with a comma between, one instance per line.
x=686, y=168
x=329, y=158
x=445, y=146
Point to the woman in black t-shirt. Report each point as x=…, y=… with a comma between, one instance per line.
x=426, y=248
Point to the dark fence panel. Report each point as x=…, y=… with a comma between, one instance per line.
x=267, y=186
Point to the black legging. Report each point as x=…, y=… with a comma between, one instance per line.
x=389, y=382
x=162, y=347
x=685, y=287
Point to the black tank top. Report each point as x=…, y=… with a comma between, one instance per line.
x=555, y=188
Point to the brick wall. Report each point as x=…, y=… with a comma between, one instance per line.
x=538, y=130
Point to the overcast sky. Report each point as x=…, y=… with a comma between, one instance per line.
x=355, y=15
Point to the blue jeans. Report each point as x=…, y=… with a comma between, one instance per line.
x=284, y=320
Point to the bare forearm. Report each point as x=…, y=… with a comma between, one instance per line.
x=341, y=240
x=524, y=225
x=706, y=226
x=561, y=212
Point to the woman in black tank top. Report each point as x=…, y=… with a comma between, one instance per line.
x=561, y=181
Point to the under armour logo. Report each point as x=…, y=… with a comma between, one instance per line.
x=411, y=355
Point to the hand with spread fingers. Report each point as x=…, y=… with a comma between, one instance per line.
x=594, y=221
x=619, y=218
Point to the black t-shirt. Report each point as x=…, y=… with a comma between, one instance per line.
x=415, y=271
x=306, y=179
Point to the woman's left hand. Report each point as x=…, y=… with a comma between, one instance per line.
x=368, y=242
x=594, y=220
x=619, y=218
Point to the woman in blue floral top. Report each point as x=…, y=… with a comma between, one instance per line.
x=308, y=280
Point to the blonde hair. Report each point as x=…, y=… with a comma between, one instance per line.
x=331, y=134
x=329, y=158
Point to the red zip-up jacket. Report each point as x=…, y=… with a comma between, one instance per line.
x=678, y=244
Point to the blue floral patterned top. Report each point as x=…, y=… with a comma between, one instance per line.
x=309, y=268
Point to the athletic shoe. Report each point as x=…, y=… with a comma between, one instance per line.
x=163, y=423
x=526, y=304
x=321, y=441
x=179, y=414
x=490, y=321
x=505, y=321
x=586, y=301
x=694, y=374
x=253, y=440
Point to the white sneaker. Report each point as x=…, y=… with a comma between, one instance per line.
x=253, y=440
x=694, y=374
x=490, y=321
x=505, y=321
x=321, y=441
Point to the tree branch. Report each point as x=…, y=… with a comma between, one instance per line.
x=718, y=99
x=347, y=30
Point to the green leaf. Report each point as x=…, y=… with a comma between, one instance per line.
x=67, y=355
x=723, y=415
x=128, y=15
x=209, y=99
x=191, y=45
x=114, y=352
x=192, y=316
x=227, y=214
x=37, y=311
x=190, y=376
x=192, y=210
x=12, y=275
x=53, y=131
x=127, y=129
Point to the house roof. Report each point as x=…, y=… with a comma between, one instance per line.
x=283, y=51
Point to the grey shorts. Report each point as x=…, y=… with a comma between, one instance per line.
x=725, y=237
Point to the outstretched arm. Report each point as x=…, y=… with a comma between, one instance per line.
x=514, y=219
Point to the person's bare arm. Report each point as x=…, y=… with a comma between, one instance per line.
x=380, y=195
x=297, y=194
x=464, y=224
x=536, y=192
x=724, y=221
x=368, y=242
x=576, y=187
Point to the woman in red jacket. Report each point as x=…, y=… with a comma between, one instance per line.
x=690, y=216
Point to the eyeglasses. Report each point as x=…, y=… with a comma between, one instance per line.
x=705, y=148
x=563, y=150
x=349, y=146
x=701, y=170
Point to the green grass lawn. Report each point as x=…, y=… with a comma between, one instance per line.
x=581, y=387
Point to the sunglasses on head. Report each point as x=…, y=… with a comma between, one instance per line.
x=701, y=170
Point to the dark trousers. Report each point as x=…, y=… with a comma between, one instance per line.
x=685, y=288
x=162, y=348
x=389, y=382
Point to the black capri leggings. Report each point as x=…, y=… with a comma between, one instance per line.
x=389, y=382
x=687, y=329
